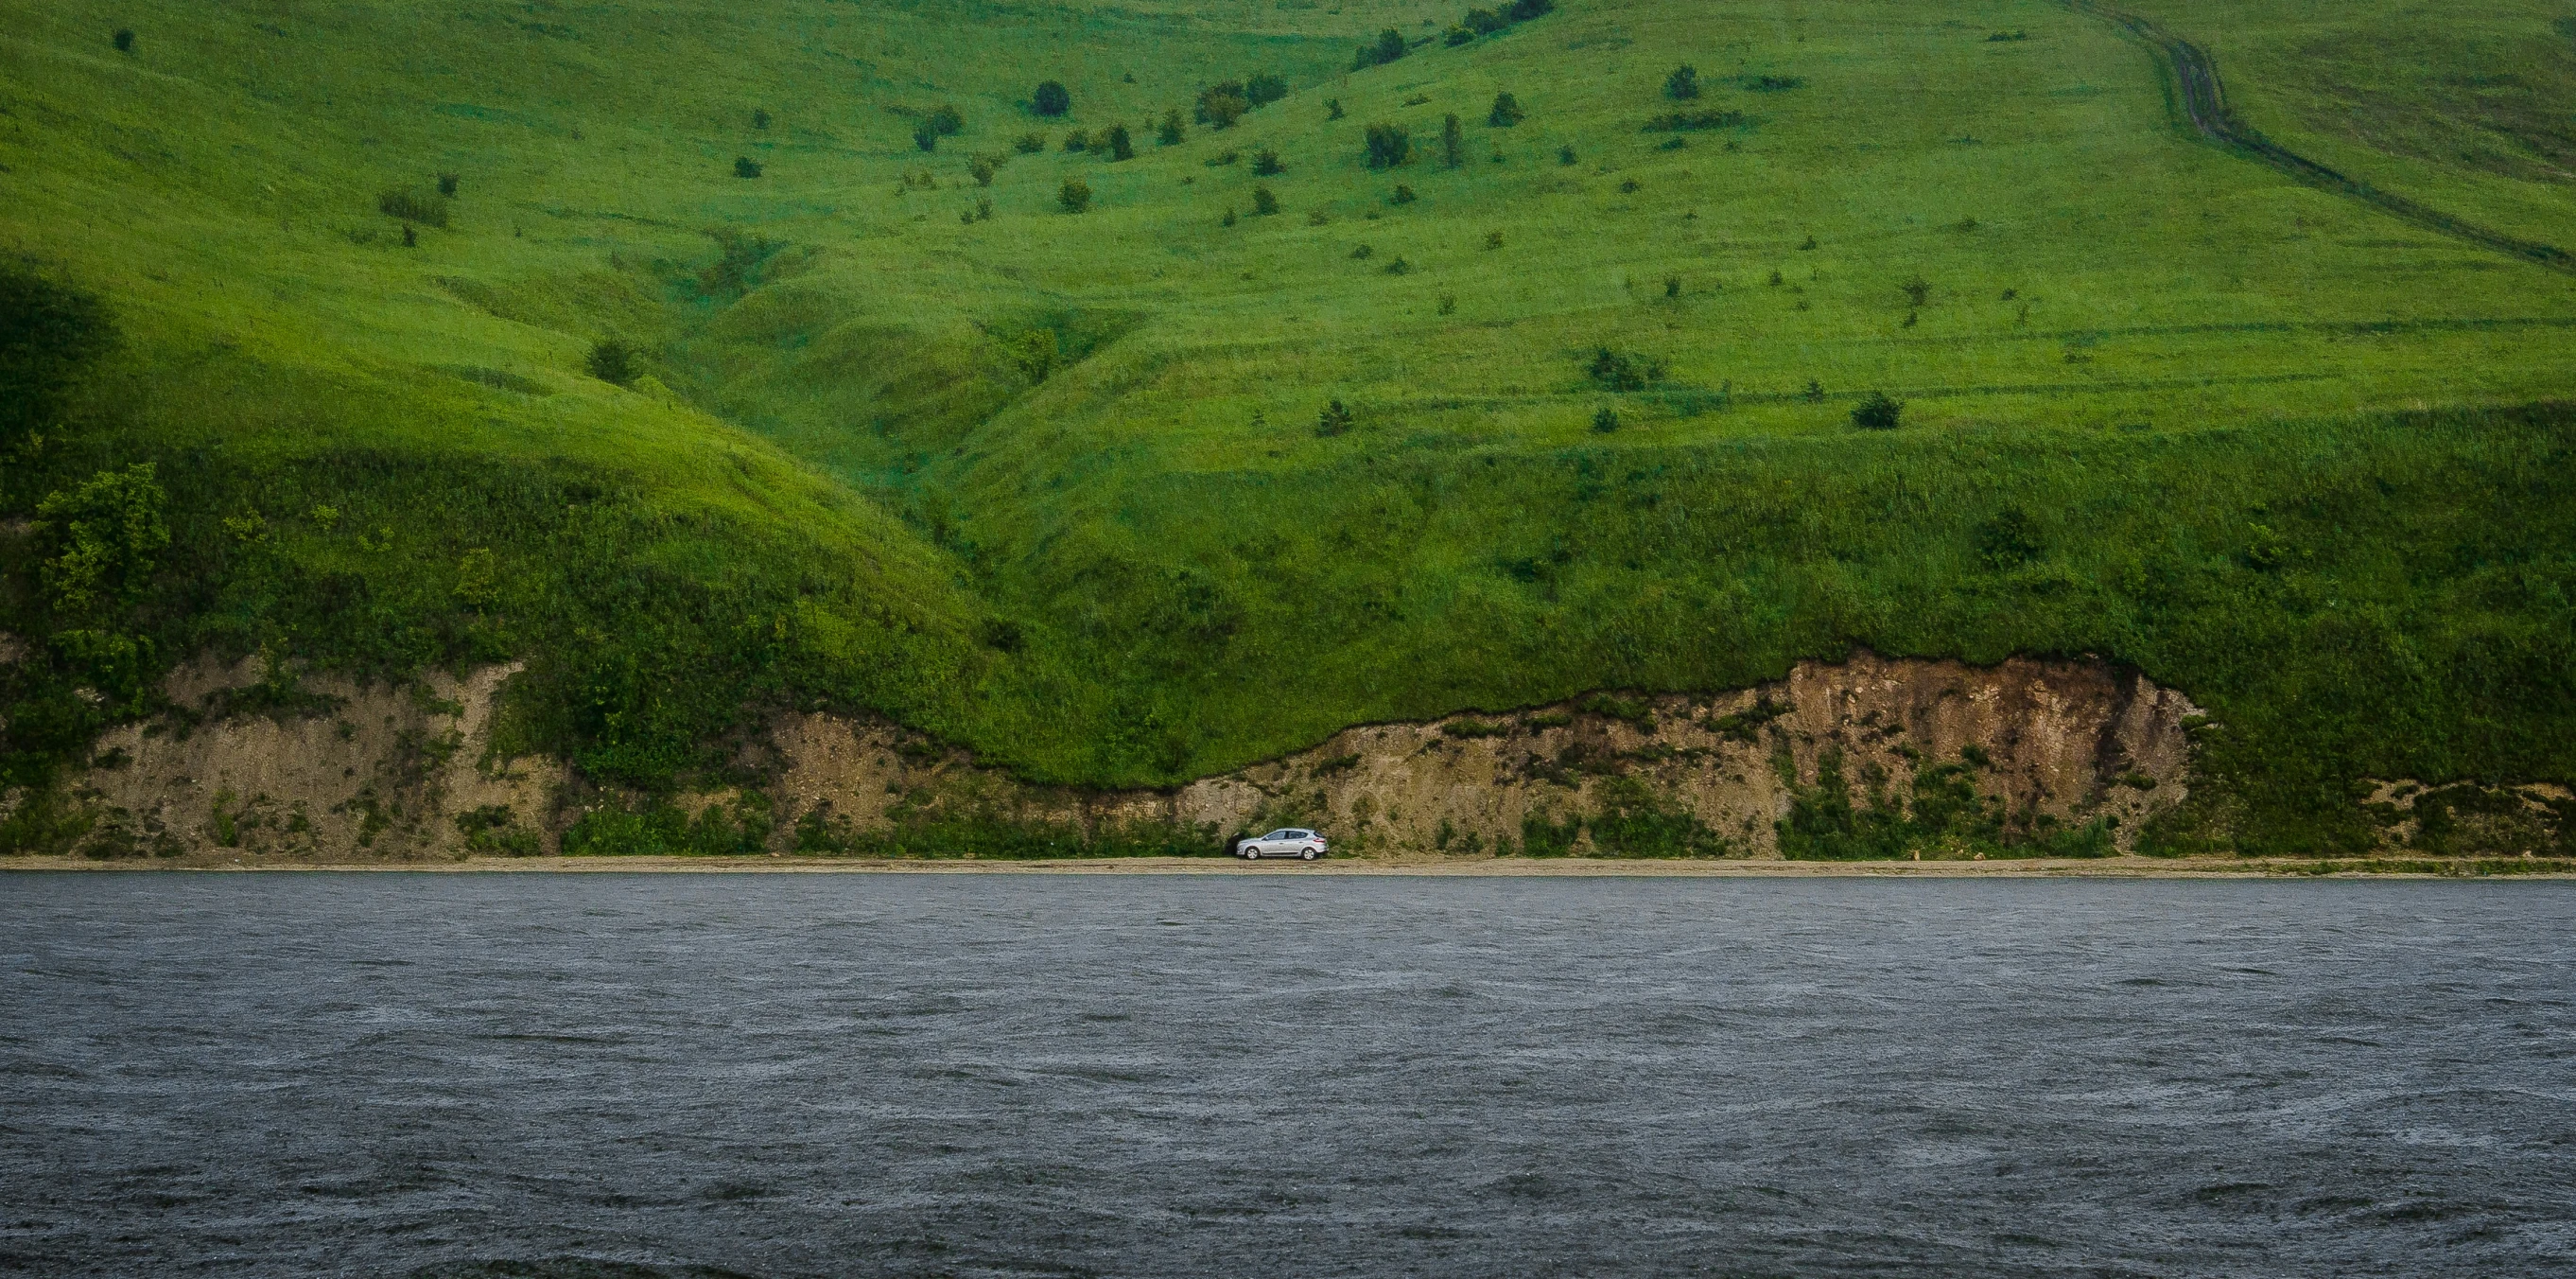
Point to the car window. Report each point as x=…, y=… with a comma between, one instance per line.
x=1301, y=834
x=1276, y=834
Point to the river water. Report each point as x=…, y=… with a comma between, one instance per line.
x=792, y=1075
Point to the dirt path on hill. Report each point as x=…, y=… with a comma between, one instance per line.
x=2204, y=103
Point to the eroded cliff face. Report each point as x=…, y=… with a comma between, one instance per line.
x=386, y=773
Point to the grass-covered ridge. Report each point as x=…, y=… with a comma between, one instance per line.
x=900, y=432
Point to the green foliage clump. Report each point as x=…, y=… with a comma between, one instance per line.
x=1077, y=141
x=1265, y=163
x=1944, y=818
x=1222, y=105
x=1170, y=132
x=611, y=360
x=1389, y=145
x=982, y=167
x=1051, y=99
x=661, y=828
x=1623, y=371
x=1263, y=88
x=2008, y=540
x=1119, y=145
x=426, y=208
x=1388, y=47
x=1876, y=412
x=1507, y=112
x=1683, y=84
x=1605, y=420
x=492, y=828
x=1453, y=142
x=923, y=136
x=1334, y=420
x=1772, y=83
x=1264, y=203
x=1029, y=143
x=1332, y=108
x=1074, y=196
x=123, y=40
x=745, y=167
x=945, y=120
x=1473, y=728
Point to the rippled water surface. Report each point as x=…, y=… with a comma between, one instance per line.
x=791, y=1075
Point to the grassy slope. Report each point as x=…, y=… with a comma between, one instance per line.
x=2186, y=397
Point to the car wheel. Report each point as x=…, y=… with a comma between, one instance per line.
x=1249, y=852
x=1307, y=855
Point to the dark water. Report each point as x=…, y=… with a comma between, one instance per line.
x=865, y=1075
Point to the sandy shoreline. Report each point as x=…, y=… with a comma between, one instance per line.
x=1450, y=867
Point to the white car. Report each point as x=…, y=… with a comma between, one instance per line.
x=1304, y=845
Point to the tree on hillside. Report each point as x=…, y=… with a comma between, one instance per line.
x=1264, y=204
x=1169, y=133
x=611, y=361
x=1075, y=195
x=1265, y=164
x=925, y=137
x=1453, y=142
x=1484, y=22
x=745, y=167
x=1263, y=89
x=1051, y=99
x=1683, y=83
x=98, y=543
x=1120, y=146
x=1030, y=143
x=1388, y=47
x=1506, y=113
x=1222, y=104
x=946, y=121
x=1876, y=412
x=1524, y=10
x=1332, y=108
x=1388, y=146
x=1334, y=420
x=982, y=167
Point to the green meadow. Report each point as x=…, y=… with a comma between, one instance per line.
x=1228, y=459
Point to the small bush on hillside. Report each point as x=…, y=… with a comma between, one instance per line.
x=745, y=167
x=945, y=120
x=1775, y=281
x=1075, y=196
x=1876, y=412
x=1507, y=112
x=413, y=206
x=1621, y=371
x=1815, y=392
x=1220, y=105
x=1456, y=35
x=1263, y=89
x=1683, y=84
x=1917, y=290
x=447, y=185
x=1077, y=142
x=1030, y=143
x=611, y=361
x=1493, y=239
x=1399, y=267
x=1121, y=147
x=1051, y=99
x=1317, y=217
x=1361, y=254
x=1388, y=47
x=1264, y=203
x=1605, y=420
x=1628, y=186
x=1334, y=420
x=1773, y=83
x=1672, y=144
x=1169, y=132
x=1524, y=10
x=1565, y=155
x=2006, y=37
x=1448, y=304
x=982, y=167
x=1453, y=142
x=123, y=40
x=1403, y=195
x=1388, y=146
x=1332, y=108
x=759, y=118
x=1807, y=245
x=1228, y=219
x=1672, y=286
x=925, y=137
x=1265, y=163
x=2008, y=541
x=411, y=238
x=1484, y=22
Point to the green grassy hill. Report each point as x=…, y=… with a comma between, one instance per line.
x=1064, y=487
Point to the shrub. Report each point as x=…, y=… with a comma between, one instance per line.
x=2008, y=541
x=925, y=137
x=98, y=544
x=1228, y=219
x=1051, y=99
x=1605, y=420
x=1388, y=47
x=1457, y=34
x=1493, y=239
x=1524, y=10
x=1220, y=105
x=1807, y=245
x=123, y=40
x=1265, y=163
x=1815, y=392
x=414, y=206
x=411, y=238
x=1263, y=89
x=1775, y=281
x=1672, y=286
x=1773, y=83
x=759, y=118
x=1388, y=146
x=1332, y=108
x=1683, y=84
x=1628, y=186
x=1399, y=267
x=745, y=167
x=1453, y=141
x=1484, y=22
x=1676, y=121
x=2006, y=37
x=1334, y=420
x=611, y=361
x=1621, y=371
x=1264, y=203
x=1507, y=112
x=1403, y=195
x=983, y=209
x=1077, y=141
x=982, y=167
x=1565, y=155
x=1075, y=196
x=945, y=121
x=1169, y=132
x=447, y=185
x=1121, y=147
x=1448, y=304
x=1876, y=412
x=1917, y=290
x=1361, y=254
x=1030, y=143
